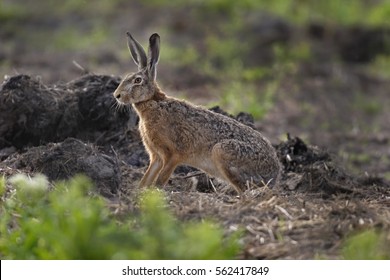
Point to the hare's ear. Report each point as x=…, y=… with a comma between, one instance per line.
x=137, y=52
x=154, y=54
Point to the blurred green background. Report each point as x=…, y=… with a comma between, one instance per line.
x=316, y=69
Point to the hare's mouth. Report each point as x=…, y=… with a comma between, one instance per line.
x=120, y=102
x=124, y=101
x=119, y=99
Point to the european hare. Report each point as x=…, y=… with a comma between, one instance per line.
x=176, y=132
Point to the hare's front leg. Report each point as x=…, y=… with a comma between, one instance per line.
x=152, y=172
x=169, y=166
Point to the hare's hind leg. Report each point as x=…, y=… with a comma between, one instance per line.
x=236, y=161
x=152, y=172
x=224, y=159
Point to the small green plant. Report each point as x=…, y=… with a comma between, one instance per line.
x=381, y=65
x=239, y=96
x=366, y=104
x=367, y=245
x=10, y=11
x=68, y=222
x=73, y=39
x=178, y=56
x=2, y=186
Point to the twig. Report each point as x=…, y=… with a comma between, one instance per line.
x=193, y=174
x=284, y=211
x=211, y=182
x=84, y=70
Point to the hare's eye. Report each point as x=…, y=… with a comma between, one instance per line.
x=137, y=80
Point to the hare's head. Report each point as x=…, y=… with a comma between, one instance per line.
x=140, y=86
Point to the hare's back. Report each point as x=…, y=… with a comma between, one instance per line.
x=200, y=124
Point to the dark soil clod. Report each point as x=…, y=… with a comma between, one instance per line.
x=60, y=161
x=295, y=155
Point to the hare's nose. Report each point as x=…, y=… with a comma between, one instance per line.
x=117, y=94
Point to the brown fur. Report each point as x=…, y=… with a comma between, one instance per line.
x=176, y=132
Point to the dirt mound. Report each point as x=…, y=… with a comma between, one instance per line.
x=59, y=161
x=310, y=169
x=29, y=111
x=32, y=113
